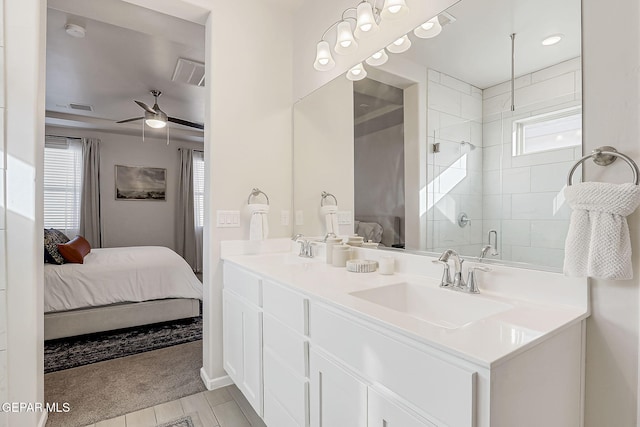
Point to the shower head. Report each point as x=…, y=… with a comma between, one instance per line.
x=471, y=146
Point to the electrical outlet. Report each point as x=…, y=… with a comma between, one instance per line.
x=299, y=218
x=344, y=217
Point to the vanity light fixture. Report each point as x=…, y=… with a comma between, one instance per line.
x=378, y=58
x=394, y=9
x=357, y=73
x=366, y=23
x=400, y=45
x=553, y=39
x=345, y=43
x=324, y=61
x=429, y=29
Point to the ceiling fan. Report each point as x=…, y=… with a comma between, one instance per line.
x=156, y=118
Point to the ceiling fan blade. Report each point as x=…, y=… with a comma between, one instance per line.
x=145, y=107
x=130, y=120
x=186, y=123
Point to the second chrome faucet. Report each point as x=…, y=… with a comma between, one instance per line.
x=457, y=282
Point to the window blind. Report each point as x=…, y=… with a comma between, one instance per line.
x=198, y=187
x=62, y=186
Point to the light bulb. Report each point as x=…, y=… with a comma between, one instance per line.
x=324, y=61
x=357, y=73
x=429, y=29
x=394, y=9
x=365, y=21
x=400, y=45
x=155, y=123
x=345, y=43
x=378, y=58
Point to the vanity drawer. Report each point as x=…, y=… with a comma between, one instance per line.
x=290, y=390
x=291, y=347
x=287, y=306
x=441, y=390
x=243, y=283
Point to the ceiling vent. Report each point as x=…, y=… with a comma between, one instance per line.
x=189, y=72
x=81, y=107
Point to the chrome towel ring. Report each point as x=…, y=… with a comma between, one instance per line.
x=255, y=193
x=604, y=156
x=324, y=195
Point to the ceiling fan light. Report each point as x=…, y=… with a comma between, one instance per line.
x=429, y=29
x=357, y=73
x=365, y=22
x=324, y=61
x=394, y=9
x=400, y=45
x=155, y=123
x=345, y=43
x=378, y=58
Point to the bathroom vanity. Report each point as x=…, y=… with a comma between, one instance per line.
x=309, y=344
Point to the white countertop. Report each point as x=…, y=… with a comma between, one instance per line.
x=540, y=307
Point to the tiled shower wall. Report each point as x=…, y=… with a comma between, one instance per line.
x=455, y=171
x=523, y=195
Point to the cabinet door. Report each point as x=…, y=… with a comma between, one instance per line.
x=337, y=398
x=242, y=353
x=384, y=413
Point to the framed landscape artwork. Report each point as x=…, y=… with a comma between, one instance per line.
x=140, y=183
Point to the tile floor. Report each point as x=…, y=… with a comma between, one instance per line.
x=224, y=407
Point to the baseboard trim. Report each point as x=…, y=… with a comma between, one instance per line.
x=214, y=383
x=43, y=419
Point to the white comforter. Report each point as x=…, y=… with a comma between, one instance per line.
x=116, y=275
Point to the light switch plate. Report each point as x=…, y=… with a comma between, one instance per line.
x=228, y=219
x=344, y=217
x=284, y=217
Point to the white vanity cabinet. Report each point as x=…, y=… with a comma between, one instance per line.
x=242, y=333
x=286, y=356
x=305, y=361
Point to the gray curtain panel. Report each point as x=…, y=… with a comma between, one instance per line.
x=90, y=218
x=186, y=229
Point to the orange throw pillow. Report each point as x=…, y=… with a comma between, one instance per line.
x=75, y=250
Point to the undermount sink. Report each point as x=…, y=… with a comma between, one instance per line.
x=441, y=307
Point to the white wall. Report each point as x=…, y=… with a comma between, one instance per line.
x=611, y=93
x=524, y=194
x=3, y=259
x=127, y=222
x=324, y=154
x=24, y=131
x=249, y=131
x=455, y=172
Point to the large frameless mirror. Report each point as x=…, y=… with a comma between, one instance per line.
x=439, y=148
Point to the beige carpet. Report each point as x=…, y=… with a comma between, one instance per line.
x=115, y=387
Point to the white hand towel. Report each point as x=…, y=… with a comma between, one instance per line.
x=598, y=243
x=259, y=225
x=330, y=214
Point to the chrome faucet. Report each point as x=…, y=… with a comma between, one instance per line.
x=458, y=283
x=306, y=246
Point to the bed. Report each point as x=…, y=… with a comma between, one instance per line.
x=384, y=229
x=118, y=288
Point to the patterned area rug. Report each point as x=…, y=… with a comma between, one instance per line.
x=65, y=353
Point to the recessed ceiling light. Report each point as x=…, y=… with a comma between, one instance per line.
x=551, y=40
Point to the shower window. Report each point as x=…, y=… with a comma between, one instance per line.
x=549, y=131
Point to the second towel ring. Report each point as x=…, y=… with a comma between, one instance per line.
x=324, y=195
x=604, y=156
x=255, y=193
